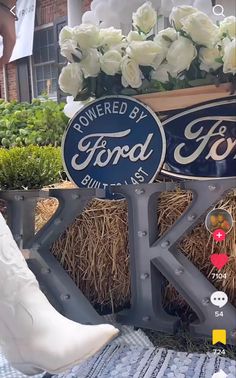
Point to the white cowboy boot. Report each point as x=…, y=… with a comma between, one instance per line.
x=34, y=336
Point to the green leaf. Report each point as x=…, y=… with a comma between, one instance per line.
x=219, y=60
x=146, y=71
x=138, y=29
x=200, y=82
x=129, y=92
x=145, y=84
x=75, y=58
x=150, y=38
x=83, y=95
x=157, y=85
x=166, y=38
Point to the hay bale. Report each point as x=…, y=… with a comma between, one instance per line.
x=94, y=249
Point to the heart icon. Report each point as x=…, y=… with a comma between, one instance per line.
x=219, y=260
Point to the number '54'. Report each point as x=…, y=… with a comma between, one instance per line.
x=219, y=313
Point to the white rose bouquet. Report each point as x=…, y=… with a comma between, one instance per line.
x=193, y=52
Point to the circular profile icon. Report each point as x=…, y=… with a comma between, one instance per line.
x=219, y=219
x=114, y=140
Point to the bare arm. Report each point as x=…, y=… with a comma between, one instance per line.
x=7, y=31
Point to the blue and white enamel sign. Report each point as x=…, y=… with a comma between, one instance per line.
x=201, y=142
x=115, y=140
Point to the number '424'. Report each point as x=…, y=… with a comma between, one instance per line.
x=219, y=352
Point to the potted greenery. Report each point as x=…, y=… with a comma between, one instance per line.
x=30, y=158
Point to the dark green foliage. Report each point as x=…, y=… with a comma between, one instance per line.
x=30, y=167
x=106, y=85
x=40, y=123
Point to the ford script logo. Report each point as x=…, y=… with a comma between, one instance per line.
x=113, y=141
x=201, y=142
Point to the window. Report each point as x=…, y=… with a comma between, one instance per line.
x=45, y=70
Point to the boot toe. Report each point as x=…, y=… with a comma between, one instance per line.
x=74, y=347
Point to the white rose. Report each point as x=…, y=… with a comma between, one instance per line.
x=181, y=54
x=131, y=74
x=70, y=50
x=164, y=40
x=71, y=79
x=144, y=53
x=66, y=33
x=110, y=36
x=145, y=18
x=229, y=58
x=178, y=13
x=167, y=35
x=162, y=73
x=90, y=65
x=110, y=62
x=208, y=58
x=201, y=29
x=135, y=36
x=228, y=26
x=86, y=35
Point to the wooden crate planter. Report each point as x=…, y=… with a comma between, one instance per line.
x=184, y=98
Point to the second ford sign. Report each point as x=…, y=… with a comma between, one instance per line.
x=201, y=142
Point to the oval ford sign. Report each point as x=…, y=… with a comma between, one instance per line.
x=114, y=140
x=201, y=142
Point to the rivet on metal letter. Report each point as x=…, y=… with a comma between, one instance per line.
x=212, y=188
x=45, y=270
x=191, y=217
x=141, y=234
x=65, y=297
x=19, y=198
x=139, y=191
x=146, y=318
x=179, y=271
x=144, y=276
x=75, y=196
x=57, y=221
x=165, y=244
x=205, y=301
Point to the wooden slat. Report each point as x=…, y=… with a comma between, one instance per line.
x=183, y=98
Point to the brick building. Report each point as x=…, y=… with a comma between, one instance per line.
x=31, y=76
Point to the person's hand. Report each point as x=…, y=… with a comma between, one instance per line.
x=7, y=31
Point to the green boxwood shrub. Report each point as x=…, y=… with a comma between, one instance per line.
x=30, y=167
x=39, y=123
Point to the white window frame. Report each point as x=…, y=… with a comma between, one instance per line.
x=32, y=65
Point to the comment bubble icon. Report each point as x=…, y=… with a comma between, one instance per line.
x=219, y=299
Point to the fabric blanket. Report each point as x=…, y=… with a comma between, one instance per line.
x=132, y=355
